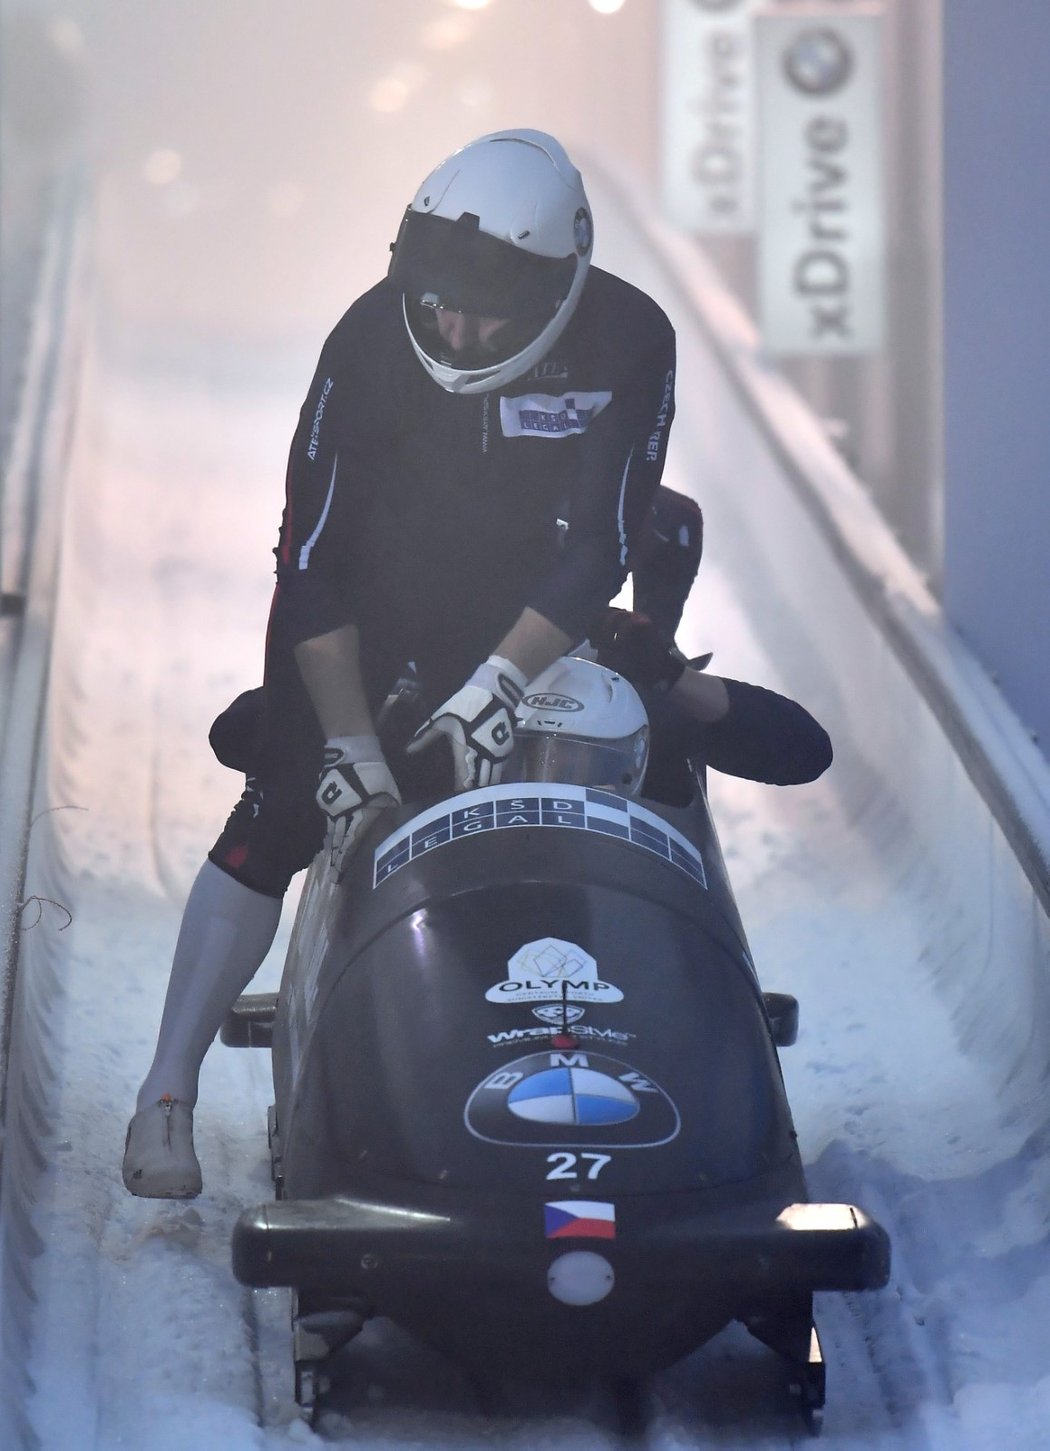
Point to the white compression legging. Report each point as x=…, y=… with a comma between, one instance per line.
x=226, y=932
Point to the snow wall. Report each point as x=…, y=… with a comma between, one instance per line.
x=31, y=506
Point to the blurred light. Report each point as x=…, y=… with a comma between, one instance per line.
x=66, y=36
x=606, y=7
x=181, y=200
x=162, y=167
x=285, y=199
x=477, y=92
x=471, y=4
x=388, y=95
x=446, y=32
x=391, y=92
x=44, y=80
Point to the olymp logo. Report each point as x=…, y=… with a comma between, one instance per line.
x=548, y=970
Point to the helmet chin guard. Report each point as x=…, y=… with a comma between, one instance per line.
x=501, y=229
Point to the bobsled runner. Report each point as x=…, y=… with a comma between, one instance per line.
x=528, y=1100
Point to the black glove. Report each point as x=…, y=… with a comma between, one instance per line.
x=632, y=645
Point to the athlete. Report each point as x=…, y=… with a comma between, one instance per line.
x=702, y=719
x=475, y=461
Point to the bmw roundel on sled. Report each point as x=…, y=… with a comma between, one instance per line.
x=528, y=1101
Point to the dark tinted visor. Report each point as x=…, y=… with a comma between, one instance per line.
x=462, y=269
x=512, y=338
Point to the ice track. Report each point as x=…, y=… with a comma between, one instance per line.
x=883, y=896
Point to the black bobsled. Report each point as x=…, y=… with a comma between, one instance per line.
x=528, y=1100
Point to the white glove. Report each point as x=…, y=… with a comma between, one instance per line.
x=355, y=786
x=478, y=721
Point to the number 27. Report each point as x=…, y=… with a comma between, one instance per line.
x=564, y=1165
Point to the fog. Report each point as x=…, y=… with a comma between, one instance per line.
x=253, y=157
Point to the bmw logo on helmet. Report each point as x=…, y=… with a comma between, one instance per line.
x=818, y=62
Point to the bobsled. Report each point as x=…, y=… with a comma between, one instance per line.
x=528, y=1102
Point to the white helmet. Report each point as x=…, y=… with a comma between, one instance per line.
x=581, y=725
x=501, y=229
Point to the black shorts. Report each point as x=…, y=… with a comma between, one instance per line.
x=272, y=735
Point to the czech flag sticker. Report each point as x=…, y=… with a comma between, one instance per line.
x=580, y=1219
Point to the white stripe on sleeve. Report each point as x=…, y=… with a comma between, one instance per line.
x=621, y=523
x=304, y=552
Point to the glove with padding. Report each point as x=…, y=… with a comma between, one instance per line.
x=478, y=722
x=355, y=786
x=634, y=647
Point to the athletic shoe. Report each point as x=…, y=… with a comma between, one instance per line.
x=159, y=1162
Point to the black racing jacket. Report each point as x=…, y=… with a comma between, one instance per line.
x=430, y=519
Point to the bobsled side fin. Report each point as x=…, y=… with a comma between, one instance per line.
x=782, y=1012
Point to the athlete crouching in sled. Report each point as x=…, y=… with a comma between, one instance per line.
x=699, y=719
x=635, y=717
x=492, y=385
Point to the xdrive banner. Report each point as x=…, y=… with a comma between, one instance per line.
x=821, y=246
x=708, y=114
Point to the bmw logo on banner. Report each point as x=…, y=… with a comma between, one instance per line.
x=571, y=1100
x=821, y=253
x=818, y=61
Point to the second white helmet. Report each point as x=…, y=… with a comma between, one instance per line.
x=581, y=724
x=501, y=230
